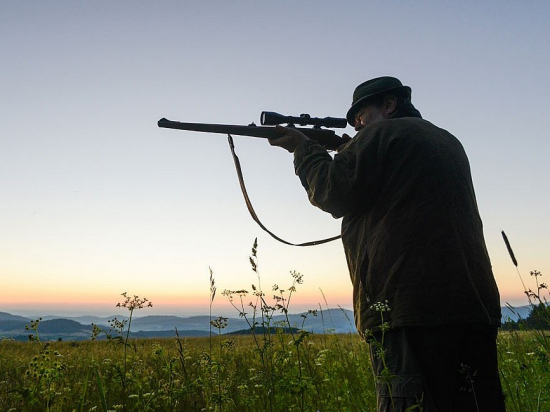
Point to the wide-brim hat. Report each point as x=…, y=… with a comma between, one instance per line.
x=374, y=88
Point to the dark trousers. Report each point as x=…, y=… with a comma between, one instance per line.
x=446, y=369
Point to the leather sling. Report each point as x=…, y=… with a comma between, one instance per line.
x=253, y=213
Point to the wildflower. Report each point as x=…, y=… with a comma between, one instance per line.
x=298, y=277
x=380, y=307
x=134, y=303
x=96, y=330
x=228, y=343
x=219, y=323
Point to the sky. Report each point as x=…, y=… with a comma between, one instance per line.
x=96, y=200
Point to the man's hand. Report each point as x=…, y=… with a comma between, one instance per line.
x=345, y=137
x=290, y=138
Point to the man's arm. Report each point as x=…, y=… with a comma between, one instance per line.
x=292, y=138
x=330, y=182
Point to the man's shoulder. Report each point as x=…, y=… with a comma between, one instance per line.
x=402, y=127
x=405, y=123
x=399, y=133
x=396, y=127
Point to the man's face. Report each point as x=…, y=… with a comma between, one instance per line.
x=367, y=115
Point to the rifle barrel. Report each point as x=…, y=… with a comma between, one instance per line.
x=255, y=131
x=326, y=138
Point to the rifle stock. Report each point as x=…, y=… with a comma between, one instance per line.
x=326, y=138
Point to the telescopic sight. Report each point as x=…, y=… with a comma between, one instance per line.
x=272, y=119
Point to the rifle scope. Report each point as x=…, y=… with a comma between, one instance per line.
x=272, y=118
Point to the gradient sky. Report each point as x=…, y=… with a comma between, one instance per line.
x=97, y=200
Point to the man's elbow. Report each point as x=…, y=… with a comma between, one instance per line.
x=337, y=209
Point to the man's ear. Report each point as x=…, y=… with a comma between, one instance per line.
x=390, y=104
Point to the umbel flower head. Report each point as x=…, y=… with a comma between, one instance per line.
x=381, y=306
x=219, y=323
x=135, y=302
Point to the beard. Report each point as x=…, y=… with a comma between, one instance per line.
x=375, y=116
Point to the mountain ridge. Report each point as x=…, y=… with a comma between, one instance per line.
x=80, y=327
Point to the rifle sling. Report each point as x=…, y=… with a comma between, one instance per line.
x=251, y=209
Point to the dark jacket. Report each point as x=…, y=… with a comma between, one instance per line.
x=411, y=229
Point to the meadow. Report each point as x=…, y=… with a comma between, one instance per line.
x=229, y=373
x=275, y=367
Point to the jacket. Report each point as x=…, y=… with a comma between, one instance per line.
x=411, y=228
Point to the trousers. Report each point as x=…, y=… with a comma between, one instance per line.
x=441, y=369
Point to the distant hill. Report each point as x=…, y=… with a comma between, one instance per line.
x=329, y=320
x=10, y=322
x=515, y=313
x=262, y=330
x=55, y=329
x=201, y=323
x=60, y=326
x=80, y=328
x=4, y=316
x=169, y=334
x=333, y=320
x=8, y=325
x=88, y=319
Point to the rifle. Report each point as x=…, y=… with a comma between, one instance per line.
x=326, y=138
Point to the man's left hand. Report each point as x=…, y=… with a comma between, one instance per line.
x=290, y=138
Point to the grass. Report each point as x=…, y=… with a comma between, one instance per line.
x=278, y=367
x=332, y=374
x=524, y=351
x=162, y=376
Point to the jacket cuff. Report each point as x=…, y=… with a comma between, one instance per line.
x=303, y=150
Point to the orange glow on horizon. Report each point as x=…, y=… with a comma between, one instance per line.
x=21, y=294
x=169, y=303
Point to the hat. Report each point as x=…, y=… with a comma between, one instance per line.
x=374, y=88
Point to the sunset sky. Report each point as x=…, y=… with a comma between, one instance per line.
x=96, y=200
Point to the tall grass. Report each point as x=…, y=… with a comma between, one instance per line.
x=524, y=352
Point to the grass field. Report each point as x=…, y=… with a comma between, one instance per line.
x=275, y=368
x=321, y=372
